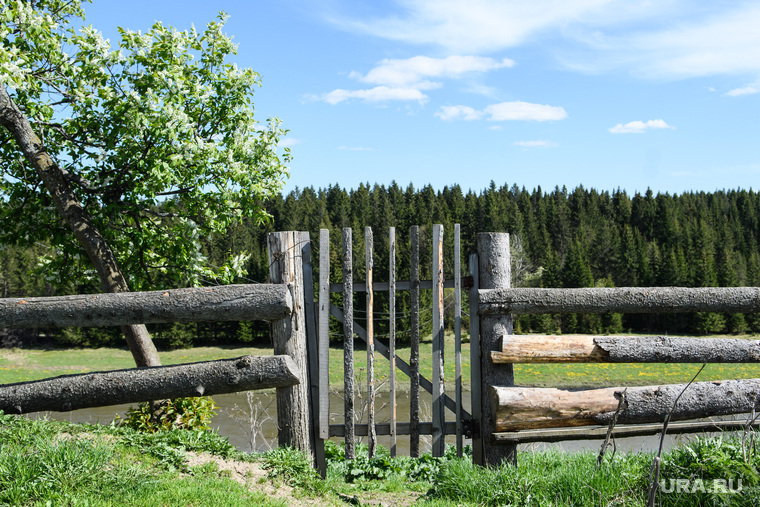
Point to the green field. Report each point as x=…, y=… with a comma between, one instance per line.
x=18, y=365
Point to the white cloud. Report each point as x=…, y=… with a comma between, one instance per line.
x=406, y=79
x=658, y=39
x=504, y=111
x=638, y=127
x=519, y=110
x=747, y=90
x=536, y=144
x=702, y=39
x=376, y=94
x=480, y=25
x=458, y=113
x=412, y=71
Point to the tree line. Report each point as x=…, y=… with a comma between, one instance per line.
x=559, y=238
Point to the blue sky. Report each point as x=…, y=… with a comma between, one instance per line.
x=631, y=94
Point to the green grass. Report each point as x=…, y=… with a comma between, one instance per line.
x=54, y=463
x=18, y=365
x=57, y=463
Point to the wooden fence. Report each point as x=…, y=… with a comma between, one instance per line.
x=280, y=302
x=510, y=414
x=500, y=417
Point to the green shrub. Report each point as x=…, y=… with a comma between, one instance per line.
x=185, y=413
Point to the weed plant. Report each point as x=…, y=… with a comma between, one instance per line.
x=188, y=413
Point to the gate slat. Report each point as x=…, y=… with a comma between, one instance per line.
x=312, y=347
x=392, y=332
x=475, y=377
x=414, y=358
x=439, y=414
x=369, y=265
x=324, y=333
x=458, y=338
x=348, y=344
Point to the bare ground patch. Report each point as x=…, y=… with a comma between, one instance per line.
x=253, y=476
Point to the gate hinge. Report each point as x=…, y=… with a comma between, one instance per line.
x=471, y=428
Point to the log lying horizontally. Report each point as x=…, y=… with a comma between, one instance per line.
x=624, y=349
x=620, y=431
x=520, y=408
x=620, y=299
x=223, y=303
x=100, y=389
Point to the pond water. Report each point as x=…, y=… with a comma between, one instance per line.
x=249, y=421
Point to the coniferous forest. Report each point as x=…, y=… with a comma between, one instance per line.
x=559, y=238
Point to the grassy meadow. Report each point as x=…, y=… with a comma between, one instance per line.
x=18, y=365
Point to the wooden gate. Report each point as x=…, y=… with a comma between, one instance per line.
x=438, y=427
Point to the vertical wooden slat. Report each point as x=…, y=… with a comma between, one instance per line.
x=348, y=343
x=324, y=333
x=439, y=415
x=312, y=347
x=414, y=358
x=371, y=434
x=475, y=380
x=458, y=337
x=392, y=333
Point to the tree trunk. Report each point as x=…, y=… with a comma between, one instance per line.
x=76, y=217
x=100, y=389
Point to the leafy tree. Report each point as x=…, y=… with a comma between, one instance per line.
x=139, y=149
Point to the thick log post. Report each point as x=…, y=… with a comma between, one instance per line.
x=518, y=408
x=289, y=337
x=100, y=389
x=229, y=302
x=625, y=349
x=494, y=273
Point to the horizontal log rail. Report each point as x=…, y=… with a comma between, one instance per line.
x=520, y=408
x=622, y=431
x=620, y=300
x=100, y=389
x=624, y=349
x=222, y=303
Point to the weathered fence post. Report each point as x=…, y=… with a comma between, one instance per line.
x=289, y=337
x=494, y=271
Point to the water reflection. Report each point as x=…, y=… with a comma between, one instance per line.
x=249, y=421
